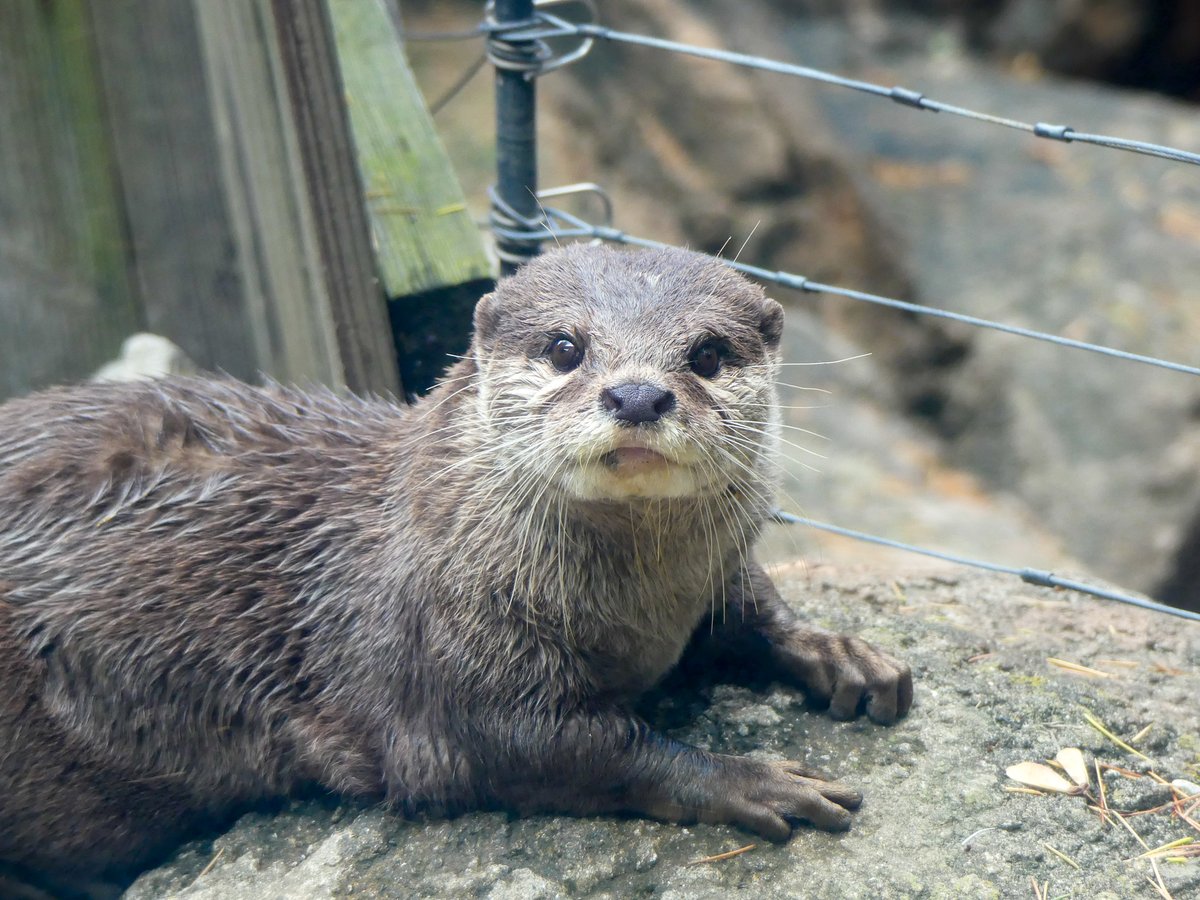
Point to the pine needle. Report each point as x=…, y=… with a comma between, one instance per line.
x=1078, y=668
x=1095, y=722
x=1063, y=857
x=1120, y=818
x=720, y=856
x=1165, y=849
x=1157, y=883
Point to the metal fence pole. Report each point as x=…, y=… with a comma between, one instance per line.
x=516, y=139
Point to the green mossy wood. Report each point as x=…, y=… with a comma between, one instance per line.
x=424, y=237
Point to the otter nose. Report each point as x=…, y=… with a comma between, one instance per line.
x=637, y=402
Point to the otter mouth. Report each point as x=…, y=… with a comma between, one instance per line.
x=633, y=471
x=634, y=460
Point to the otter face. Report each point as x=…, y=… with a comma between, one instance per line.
x=611, y=375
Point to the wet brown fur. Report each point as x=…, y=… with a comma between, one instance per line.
x=212, y=593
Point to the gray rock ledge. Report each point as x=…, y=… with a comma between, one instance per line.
x=938, y=821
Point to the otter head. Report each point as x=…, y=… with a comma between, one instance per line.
x=612, y=375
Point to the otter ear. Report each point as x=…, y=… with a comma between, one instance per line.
x=487, y=317
x=771, y=323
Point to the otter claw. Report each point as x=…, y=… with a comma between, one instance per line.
x=769, y=798
x=848, y=675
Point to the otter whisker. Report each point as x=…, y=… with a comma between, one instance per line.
x=823, y=362
x=745, y=427
x=800, y=387
x=784, y=425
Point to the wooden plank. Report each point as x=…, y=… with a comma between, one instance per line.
x=357, y=302
x=183, y=243
x=65, y=298
x=263, y=183
x=424, y=237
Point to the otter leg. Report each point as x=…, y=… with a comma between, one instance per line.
x=845, y=673
x=602, y=762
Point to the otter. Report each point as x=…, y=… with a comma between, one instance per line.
x=213, y=593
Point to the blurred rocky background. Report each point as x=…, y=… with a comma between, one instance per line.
x=990, y=445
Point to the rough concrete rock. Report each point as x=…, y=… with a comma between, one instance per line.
x=939, y=819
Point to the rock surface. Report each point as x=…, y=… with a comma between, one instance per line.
x=939, y=821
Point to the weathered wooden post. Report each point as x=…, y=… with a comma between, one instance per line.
x=429, y=250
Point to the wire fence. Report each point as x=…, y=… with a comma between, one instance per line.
x=521, y=38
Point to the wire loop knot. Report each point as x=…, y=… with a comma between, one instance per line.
x=523, y=46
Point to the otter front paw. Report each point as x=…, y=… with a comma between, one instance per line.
x=771, y=797
x=848, y=674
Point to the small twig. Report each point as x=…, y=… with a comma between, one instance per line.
x=720, y=856
x=1165, y=849
x=1167, y=670
x=1128, y=773
x=1162, y=807
x=1186, y=816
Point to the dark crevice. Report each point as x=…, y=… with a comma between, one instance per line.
x=431, y=329
x=1182, y=587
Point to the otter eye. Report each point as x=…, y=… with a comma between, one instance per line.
x=565, y=354
x=706, y=359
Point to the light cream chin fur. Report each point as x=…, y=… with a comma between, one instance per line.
x=598, y=481
x=589, y=475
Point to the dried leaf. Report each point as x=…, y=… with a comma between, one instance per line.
x=1040, y=776
x=1071, y=759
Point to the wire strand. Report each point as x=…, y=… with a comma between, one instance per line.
x=465, y=34
x=1030, y=576
x=582, y=229
x=901, y=95
x=459, y=84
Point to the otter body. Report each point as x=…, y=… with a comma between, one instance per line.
x=212, y=593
